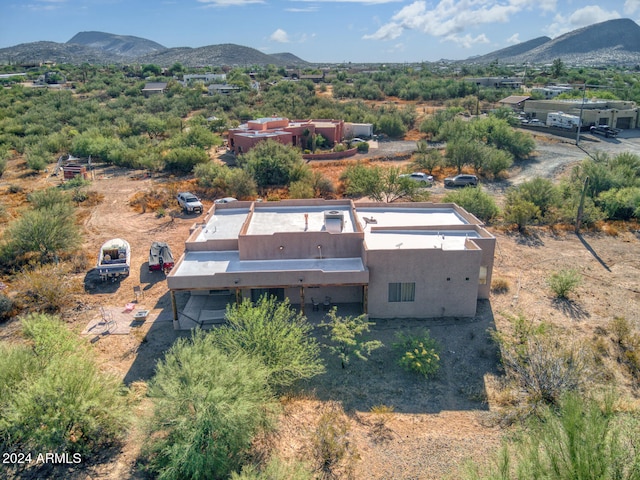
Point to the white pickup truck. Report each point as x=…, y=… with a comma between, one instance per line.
x=189, y=202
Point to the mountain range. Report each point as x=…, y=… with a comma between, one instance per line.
x=614, y=42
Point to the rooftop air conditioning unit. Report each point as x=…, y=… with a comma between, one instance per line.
x=334, y=221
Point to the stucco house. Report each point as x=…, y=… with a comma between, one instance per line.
x=154, y=88
x=296, y=133
x=408, y=260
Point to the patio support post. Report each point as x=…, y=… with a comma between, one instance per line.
x=238, y=296
x=174, y=308
x=302, y=300
x=365, y=298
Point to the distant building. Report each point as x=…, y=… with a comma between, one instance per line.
x=222, y=89
x=205, y=78
x=411, y=260
x=496, y=82
x=515, y=102
x=154, y=88
x=614, y=113
x=551, y=91
x=298, y=133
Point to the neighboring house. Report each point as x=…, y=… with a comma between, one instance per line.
x=496, y=82
x=551, y=91
x=515, y=102
x=205, y=78
x=298, y=133
x=358, y=130
x=410, y=260
x=154, y=88
x=222, y=89
x=614, y=113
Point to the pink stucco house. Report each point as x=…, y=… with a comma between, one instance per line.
x=297, y=133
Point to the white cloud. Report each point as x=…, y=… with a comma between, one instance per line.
x=279, y=36
x=630, y=6
x=302, y=10
x=229, y=3
x=467, y=41
x=366, y=2
x=451, y=17
x=513, y=39
x=580, y=18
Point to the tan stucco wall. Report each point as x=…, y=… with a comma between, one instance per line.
x=435, y=295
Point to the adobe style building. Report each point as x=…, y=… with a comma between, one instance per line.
x=413, y=260
x=298, y=133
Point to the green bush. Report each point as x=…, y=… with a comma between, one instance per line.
x=6, y=306
x=363, y=147
x=208, y=407
x=476, y=201
x=275, y=334
x=580, y=440
x=418, y=354
x=564, y=282
x=275, y=469
x=334, y=454
x=53, y=397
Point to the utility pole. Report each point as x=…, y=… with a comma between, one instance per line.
x=584, y=94
x=581, y=205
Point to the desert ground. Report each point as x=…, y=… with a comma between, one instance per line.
x=432, y=426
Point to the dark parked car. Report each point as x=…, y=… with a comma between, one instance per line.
x=604, y=130
x=461, y=181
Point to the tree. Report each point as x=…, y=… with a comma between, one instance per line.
x=275, y=334
x=48, y=231
x=520, y=211
x=557, y=68
x=427, y=159
x=53, y=397
x=273, y=164
x=476, y=201
x=184, y=159
x=345, y=333
x=208, y=406
x=381, y=184
x=464, y=152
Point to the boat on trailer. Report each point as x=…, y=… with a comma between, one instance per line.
x=160, y=257
x=114, y=261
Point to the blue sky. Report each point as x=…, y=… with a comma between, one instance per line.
x=315, y=30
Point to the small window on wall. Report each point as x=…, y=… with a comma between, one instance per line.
x=482, y=279
x=402, y=292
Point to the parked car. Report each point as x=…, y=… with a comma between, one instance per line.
x=357, y=140
x=461, y=181
x=225, y=200
x=189, y=202
x=605, y=130
x=419, y=177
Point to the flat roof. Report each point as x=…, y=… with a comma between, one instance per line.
x=418, y=239
x=260, y=133
x=270, y=220
x=212, y=262
x=225, y=224
x=409, y=217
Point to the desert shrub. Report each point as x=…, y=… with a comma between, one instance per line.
x=301, y=189
x=46, y=288
x=184, y=159
x=273, y=164
x=580, y=440
x=476, y=201
x=76, y=182
x=518, y=210
x=362, y=147
x=275, y=334
x=275, y=469
x=332, y=450
x=499, y=285
x=564, y=282
x=49, y=198
x=13, y=188
x=419, y=354
x=541, y=364
x=53, y=397
x=208, y=406
x=627, y=341
x=345, y=335
x=7, y=306
x=47, y=231
x=3, y=164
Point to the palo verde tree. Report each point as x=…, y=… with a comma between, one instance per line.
x=209, y=406
x=381, y=184
x=274, y=333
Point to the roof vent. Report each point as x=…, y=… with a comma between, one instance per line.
x=334, y=221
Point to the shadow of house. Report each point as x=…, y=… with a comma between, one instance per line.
x=468, y=355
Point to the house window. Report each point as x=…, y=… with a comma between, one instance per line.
x=402, y=292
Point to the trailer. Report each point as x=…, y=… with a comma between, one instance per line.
x=114, y=259
x=563, y=120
